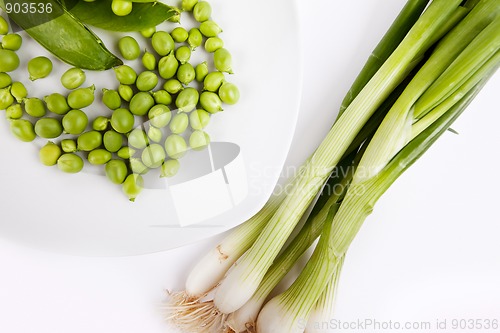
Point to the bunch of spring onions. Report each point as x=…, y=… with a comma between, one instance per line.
x=429, y=66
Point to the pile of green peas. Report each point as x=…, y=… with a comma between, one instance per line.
x=155, y=116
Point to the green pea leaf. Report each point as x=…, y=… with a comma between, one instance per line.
x=66, y=37
x=143, y=15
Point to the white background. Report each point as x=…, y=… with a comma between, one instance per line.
x=429, y=251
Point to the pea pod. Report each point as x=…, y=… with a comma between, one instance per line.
x=66, y=37
x=143, y=15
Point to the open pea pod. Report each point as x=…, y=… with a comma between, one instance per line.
x=144, y=14
x=65, y=36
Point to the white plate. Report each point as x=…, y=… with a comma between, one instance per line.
x=86, y=214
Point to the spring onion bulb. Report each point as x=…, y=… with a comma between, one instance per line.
x=243, y=280
x=188, y=310
x=207, y=273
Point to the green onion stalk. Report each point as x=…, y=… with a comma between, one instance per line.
x=323, y=310
x=244, y=319
x=448, y=88
x=211, y=268
x=243, y=279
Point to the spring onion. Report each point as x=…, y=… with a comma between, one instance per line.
x=388, y=155
x=417, y=82
x=243, y=280
x=207, y=273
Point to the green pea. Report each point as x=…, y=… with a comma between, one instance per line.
x=213, y=81
x=183, y=54
x=81, y=97
x=159, y=116
x=57, y=103
x=138, y=139
x=9, y=61
x=149, y=61
x=168, y=65
x=195, y=38
x=48, y=128
x=121, y=7
x=49, y=154
x=126, y=152
x=199, y=140
x=175, y=146
x=148, y=32
x=70, y=163
x=210, y=29
x=39, y=68
x=223, y=60
x=210, y=101
x=12, y=42
x=155, y=134
x=73, y=78
x=162, y=43
x=229, y=93
x=188, y=5
x=5, y=80
x=122, y=120
x=113, y=141
x=141, y=103
x=111, y=98
x=6, y=98
x=138, y=167
x=68, y=145
x=153, y=156
x=129, y=48
x=202, y=11
x=99, y=157
x=75, y=122
x=18, y=90
x=116, y=171
x=100, y=123
x=212, y=44
x=133, y=186
x=4, y=26
x=126, y=92
x=89, y=141
x=173, y=86
x=14, y=111
x=170, y=168
x=162, y=97
x=146, y=81
x=125, y=74
x=23, y=130
x=179, y=35
x=201, y=71
x=187, y=99
x=179, y=123
x=34, y=107
x=186, y=73
x=199, y=119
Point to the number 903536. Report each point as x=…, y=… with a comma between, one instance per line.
x=28, y=8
